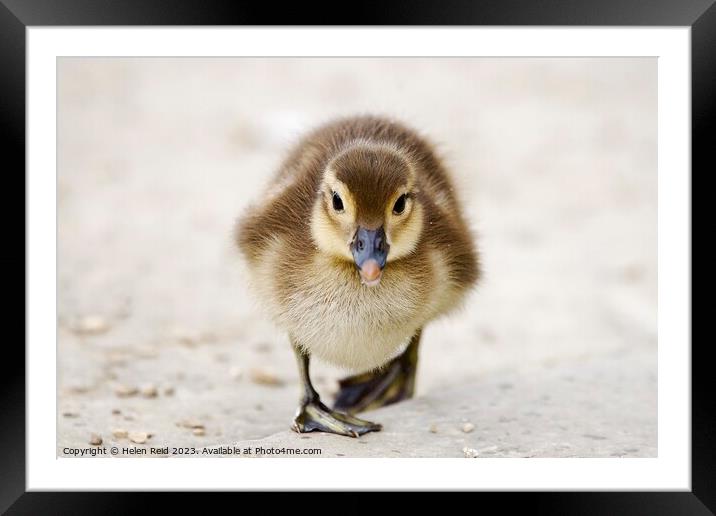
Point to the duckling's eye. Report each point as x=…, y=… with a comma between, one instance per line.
x=399, y=206
x=337, y=202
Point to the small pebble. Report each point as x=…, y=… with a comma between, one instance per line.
x=191, y=423
x=125, y=391
x=433, y=428
x=116, y=411
x=235, y=372
x=149, y=391
x=468, y=427
x=198, y=431
x=95, y=439
x=120, y=433
x=70, y=414
x=470, y=453
x=264, y=377
x=168, y=390
x=138, y=437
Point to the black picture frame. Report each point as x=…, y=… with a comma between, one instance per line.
x=17, y=15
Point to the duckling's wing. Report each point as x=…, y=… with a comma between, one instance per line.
x=282, y=215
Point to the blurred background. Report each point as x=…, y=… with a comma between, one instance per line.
x=554, y=159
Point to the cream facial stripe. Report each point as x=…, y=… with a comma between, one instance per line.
x=333, y=184
x=403, y=237
x=329, y=228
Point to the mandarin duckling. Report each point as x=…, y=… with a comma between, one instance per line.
x=358, y=243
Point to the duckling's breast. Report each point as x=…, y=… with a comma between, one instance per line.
x=352, y=325
x=325, y=308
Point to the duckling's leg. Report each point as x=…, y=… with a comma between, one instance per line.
x=312, y=415
x=392, y=383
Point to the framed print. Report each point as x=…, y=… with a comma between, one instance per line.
x=384, y=256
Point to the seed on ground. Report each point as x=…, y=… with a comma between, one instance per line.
x=95, y=439
x=70, y=414
x=265, y=377
x=149, y=390
x=138, y=437
x=125, y=391
x=434, y=428
x=91, y=325
x=120, y=433
x=198, y=431
x=168, y=390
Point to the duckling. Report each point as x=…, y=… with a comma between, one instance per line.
x=358, y=243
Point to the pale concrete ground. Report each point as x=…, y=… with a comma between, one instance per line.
x=554, y=355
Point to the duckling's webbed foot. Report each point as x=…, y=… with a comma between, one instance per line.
x=392, y=383
x=314, y=416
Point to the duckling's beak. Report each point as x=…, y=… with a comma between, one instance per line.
x=370, y=252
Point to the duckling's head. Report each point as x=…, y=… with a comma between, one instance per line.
x=367, y=210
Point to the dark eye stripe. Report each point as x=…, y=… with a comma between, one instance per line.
x=399, y=205
x=337, y=202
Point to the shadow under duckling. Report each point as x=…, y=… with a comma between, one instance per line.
x=358, y=243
